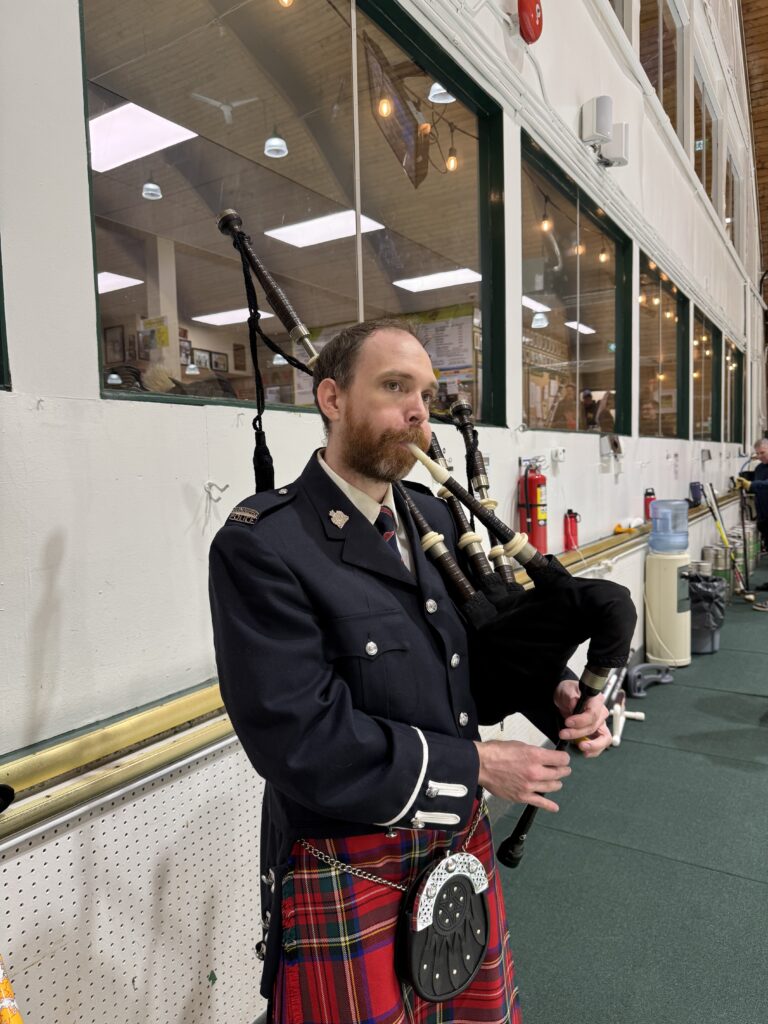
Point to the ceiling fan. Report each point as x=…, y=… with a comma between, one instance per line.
x=225, y=108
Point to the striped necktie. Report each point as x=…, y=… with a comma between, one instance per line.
x=385, y=524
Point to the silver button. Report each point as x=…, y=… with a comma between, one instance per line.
x=432, y=792
x=371, y=648
x=455, y=659
x=417, y=823
x=431, y=606
x=463, y=719
x=283, y=490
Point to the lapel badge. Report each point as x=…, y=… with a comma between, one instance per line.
x=338, y=518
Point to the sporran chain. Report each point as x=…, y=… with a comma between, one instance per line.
x=340, y=865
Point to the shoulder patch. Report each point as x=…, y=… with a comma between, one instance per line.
x=243, y=514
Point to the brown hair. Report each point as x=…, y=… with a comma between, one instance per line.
x=337, y=359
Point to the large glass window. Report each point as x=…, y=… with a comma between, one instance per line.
x=257, y=108
x=707, y=360
x=734, y=394
x=575, y=309
x=660, y=54
x=704, y=135
x=663, y=315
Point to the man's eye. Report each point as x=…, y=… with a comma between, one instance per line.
x=428, y=398
x=393, y=385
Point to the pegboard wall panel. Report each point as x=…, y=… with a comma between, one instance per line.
x=146, y=909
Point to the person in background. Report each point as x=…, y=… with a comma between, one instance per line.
x=588, y=410
x=605, y=407
x=565, y=411
x=756, y=482
x=649, y=417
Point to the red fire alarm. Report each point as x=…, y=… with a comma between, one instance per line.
x=531, y=19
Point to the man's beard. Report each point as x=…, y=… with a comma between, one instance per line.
x=381, y=456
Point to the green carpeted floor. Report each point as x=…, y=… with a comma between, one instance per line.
x=646, y=898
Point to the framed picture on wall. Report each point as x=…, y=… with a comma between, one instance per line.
x=114, y=344
x=220, y=362
x=145, y=342
x=185, y=351
x=130, y=348
x=238, y=356
x=201, y=358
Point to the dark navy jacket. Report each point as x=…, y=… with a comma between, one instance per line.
x=346, y=677
x=759, y=488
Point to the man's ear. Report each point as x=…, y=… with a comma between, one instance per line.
x=328, y=399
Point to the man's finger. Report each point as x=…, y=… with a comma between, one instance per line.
x=542, y=802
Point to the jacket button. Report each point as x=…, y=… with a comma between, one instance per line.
x=463, y=719
x=283, y=490
x=371, y=648
x=417, y=823
x=455, y=659
x=431, y=792
x=431, y=606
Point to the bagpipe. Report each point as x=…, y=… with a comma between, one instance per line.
x=527, y=634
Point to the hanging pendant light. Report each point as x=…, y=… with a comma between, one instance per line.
x=275, y=146
x=150, y=189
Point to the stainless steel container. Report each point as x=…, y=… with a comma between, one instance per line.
x=721, y=565
x=700, y=568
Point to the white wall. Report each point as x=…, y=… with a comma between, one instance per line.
x=106, y=523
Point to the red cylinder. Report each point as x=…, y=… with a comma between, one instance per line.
x=532, y=504
x=571, y=522
x=648, y=497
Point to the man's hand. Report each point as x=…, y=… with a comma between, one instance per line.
x=743, y=483
x=521, y=773
x=589, y=726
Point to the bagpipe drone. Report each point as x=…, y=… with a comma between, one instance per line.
x=524, y=636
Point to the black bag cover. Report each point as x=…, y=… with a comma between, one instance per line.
x=707, y=595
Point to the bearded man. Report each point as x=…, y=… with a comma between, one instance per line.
x=344, y=667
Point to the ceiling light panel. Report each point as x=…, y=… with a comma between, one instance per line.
x=323, y=229
x=537, y=307
x=229, y=316
x=128, y=133
x=446, y=279
x=114, y=282
x=581, y=328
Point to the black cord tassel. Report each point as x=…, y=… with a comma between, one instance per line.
x=263, y=467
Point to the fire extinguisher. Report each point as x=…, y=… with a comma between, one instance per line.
x=532, y=503
x=571, y=522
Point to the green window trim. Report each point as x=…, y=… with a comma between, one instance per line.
x=535, y=155
x=683, y=368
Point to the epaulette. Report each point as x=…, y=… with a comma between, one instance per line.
x=255, y=507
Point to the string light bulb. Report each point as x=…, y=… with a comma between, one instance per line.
x=285, y=3
x=385, y=106
x=656, y=300
x=546, y=223
x=603, y=257
x=642, y=298
x=696, y=374
x=452, y=163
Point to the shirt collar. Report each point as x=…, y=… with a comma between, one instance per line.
x=363, y=502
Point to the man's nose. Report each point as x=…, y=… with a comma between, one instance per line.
x=418, y=410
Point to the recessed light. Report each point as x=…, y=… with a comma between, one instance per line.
x=581, y=328
x=128, y=133
x=537, y=307
x=323, y=229
x=114, y=282
x=229, y=316
x=446, y=279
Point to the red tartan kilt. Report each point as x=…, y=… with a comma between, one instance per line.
x=337, y=964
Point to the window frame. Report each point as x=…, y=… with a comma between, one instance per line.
x=738, y=399
x=532, y=152
x=709, y=95
x=682, y=356
x=421, y=47
x=716, y=417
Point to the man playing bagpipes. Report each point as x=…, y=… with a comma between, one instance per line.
x=345, y=667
